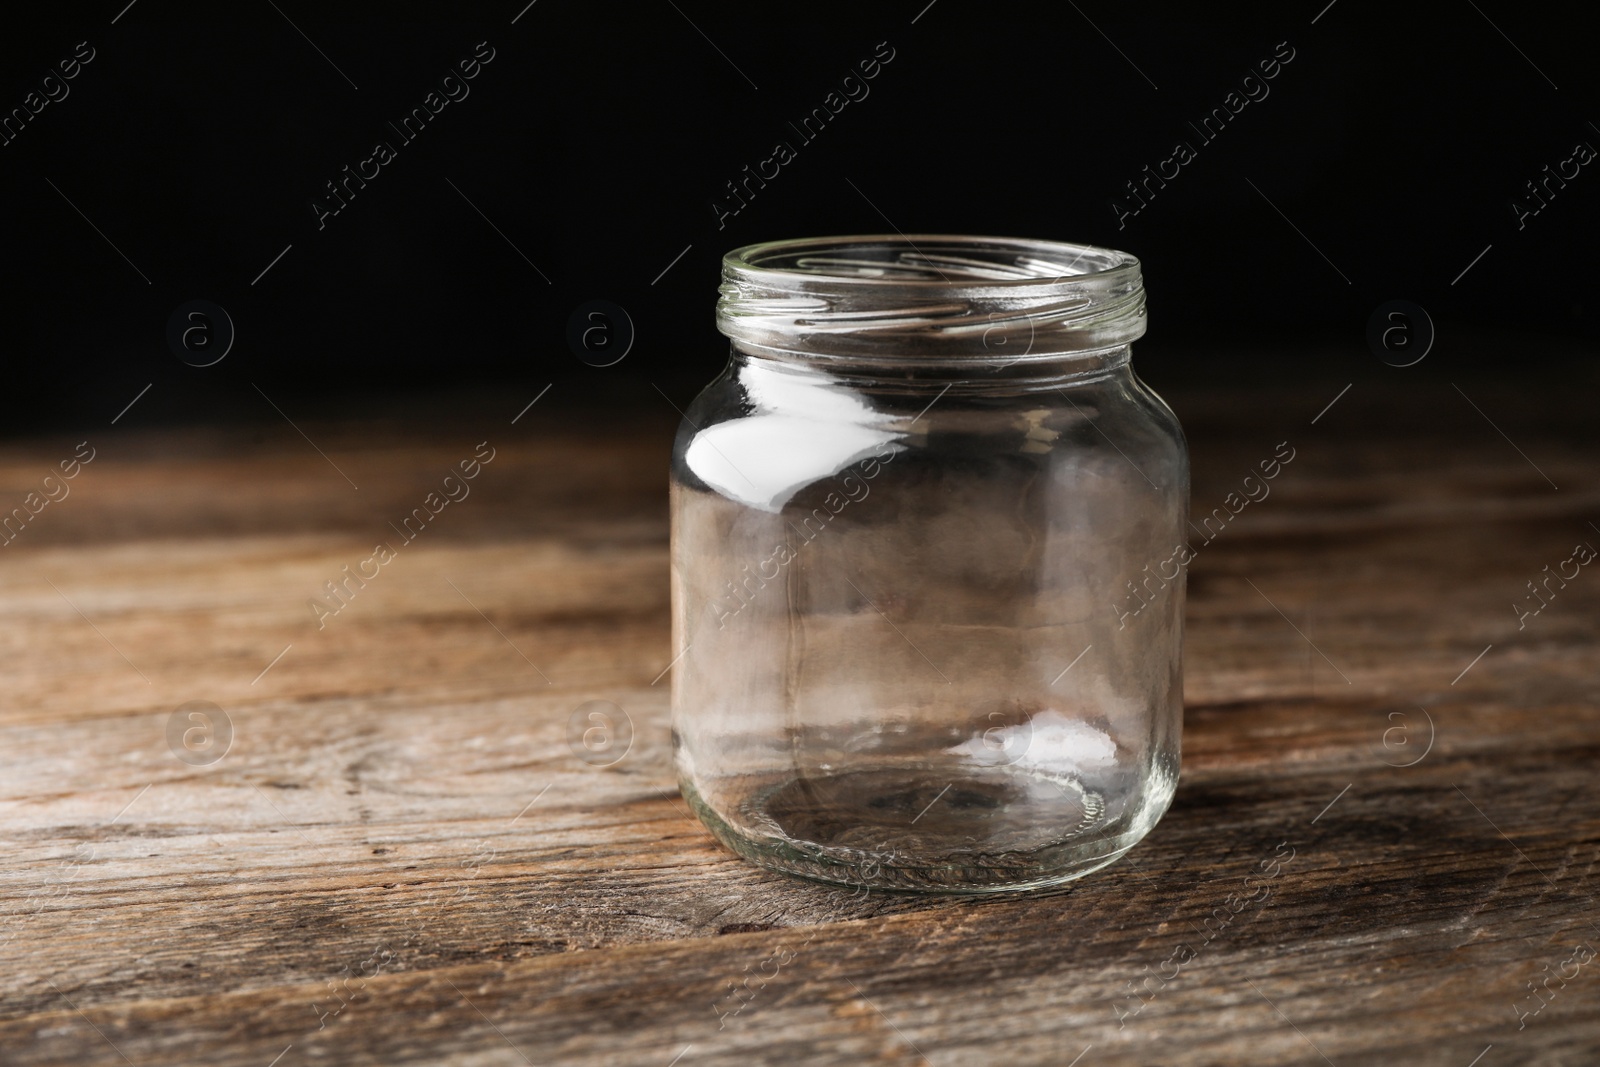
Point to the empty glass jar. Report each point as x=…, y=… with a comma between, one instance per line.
x=927, y=565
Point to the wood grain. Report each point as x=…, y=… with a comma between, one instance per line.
x=401, y=859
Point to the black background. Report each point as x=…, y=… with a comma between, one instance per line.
x=600, y=134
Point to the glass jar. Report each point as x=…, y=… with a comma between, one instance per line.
x=927, y=565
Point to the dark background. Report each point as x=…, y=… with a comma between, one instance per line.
x=599, y=135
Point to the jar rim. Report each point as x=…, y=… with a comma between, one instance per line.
x=1028, y=267
x=932, y=296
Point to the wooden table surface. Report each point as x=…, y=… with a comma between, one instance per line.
x=403, y=858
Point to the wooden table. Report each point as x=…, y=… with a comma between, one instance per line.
x=402, y=859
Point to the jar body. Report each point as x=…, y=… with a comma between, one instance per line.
x=931, y=626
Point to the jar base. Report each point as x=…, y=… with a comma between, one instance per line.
x=982, y=831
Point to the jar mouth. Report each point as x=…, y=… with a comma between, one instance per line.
x=900, y=296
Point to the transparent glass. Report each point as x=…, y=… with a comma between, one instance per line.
x=927, y=565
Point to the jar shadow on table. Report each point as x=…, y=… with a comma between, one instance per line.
x=929, y=646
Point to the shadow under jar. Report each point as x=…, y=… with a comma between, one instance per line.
x=926, y=577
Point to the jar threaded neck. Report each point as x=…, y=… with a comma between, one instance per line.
x=945, y=297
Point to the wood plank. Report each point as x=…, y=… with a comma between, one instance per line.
x=402, y=809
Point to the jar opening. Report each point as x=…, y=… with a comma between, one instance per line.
x=930, y=295
x=938, y=259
